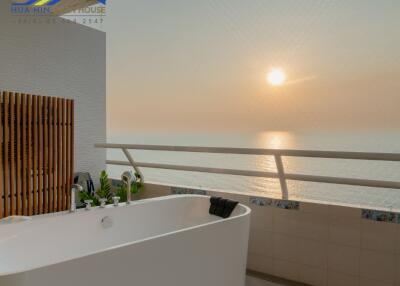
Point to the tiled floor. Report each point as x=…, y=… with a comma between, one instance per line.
x=251, y=281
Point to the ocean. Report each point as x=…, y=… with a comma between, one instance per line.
x=387, y=199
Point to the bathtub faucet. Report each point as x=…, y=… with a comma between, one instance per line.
x=74, y=188
x=127, y=178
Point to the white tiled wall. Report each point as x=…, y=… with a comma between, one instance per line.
x=319, y=245
x=61, y=60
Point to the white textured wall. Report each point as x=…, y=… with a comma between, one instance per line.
x=64, y=60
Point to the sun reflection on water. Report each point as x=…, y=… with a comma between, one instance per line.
x=272, y=140
x=275, y=140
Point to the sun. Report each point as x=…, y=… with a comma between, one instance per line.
x=276, y=77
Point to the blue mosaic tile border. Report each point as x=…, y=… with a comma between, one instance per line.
x=382, y=216
x=186, y=191
x=260, y=201
x=282, y=204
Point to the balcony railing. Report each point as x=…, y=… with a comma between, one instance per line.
x=276, y=153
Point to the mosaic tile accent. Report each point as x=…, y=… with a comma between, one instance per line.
x=287, y=205
x=14, y=219
x=115, y=183
x=282, y=204
x=383, y=216
x=260, y=201
x=185, y=191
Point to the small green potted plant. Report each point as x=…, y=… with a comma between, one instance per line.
x=122, y=189
x=105, y=191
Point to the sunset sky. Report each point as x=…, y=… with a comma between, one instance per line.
x=187, y=65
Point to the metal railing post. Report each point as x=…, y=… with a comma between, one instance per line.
x=282, y=177
x=133, y=163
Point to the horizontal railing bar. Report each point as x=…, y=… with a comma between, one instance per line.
x=197, y=169
x=344, y=181
x=293, y=177
x=395, y=157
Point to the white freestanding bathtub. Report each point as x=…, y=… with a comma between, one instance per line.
x=168, y=241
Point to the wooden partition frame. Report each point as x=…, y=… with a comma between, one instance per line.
x=36, y=153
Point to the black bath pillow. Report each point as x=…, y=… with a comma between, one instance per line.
x=229, y=207
x=221, y=207
x=214, y=201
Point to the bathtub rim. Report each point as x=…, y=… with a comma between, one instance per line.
x=247, y=212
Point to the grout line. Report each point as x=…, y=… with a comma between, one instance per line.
x=273, y=279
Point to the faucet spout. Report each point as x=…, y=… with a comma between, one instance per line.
x=128, y=177
x=74, y=188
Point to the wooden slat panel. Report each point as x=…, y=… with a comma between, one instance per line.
x=55, y=167
x=6, y=157
x=18, y=165
x=39, y=156
x=59, y=158
x=12, y=153
x=1, y=157
x=64, y=153
x=50, y=156
x=24, y=155
x=35, y=153
x=29, y=155
x=45, y=156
